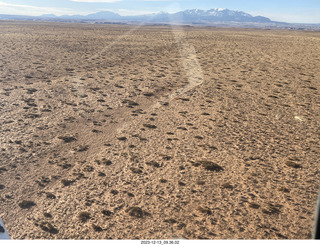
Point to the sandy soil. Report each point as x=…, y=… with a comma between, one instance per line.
x=131, y=132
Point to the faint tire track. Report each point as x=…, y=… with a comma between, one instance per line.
x=191, y=67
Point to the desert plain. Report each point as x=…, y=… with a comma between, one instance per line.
x=158, y=132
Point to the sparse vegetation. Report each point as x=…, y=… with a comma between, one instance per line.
x=227, y=186
x=114, y=124
x=122, y=138
x=67, y=139
x=151, y=126
x=154, y=164
x=137, y=212
x=25, y=204
x=210, y=166
x=204, y=210
x=293, y=164
x=136, y=170
x=48, y=227
x=106, y=212
x=84, y=216
x=66, y=182
x=97, y=228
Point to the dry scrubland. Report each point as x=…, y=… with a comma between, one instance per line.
x=128, y=132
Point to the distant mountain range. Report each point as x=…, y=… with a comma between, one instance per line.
x=187, y=17
x=213, y=17
x=184, y=17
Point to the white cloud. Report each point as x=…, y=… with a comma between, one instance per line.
x=126, y=12
x=310, y=16
x=21, y=9
x=96, y=1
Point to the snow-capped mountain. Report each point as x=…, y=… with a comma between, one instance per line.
x=217, y=15
x=184, y=17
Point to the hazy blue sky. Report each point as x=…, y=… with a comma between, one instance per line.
x=298, y=11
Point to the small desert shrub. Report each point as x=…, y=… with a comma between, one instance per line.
x=200, y=182
x=48, y=227
x=170, y=221
x=106, y=212
x=66, y=182
x=26, y=204
x=254, y=205
x=122, y=138
x=51, y=196
x=227, y=186
x=137, y=212
x=114, y=192
x=136, y=170
x=211, y=166
x=181, y=183
x=151, y=126
x=97, y=228
x=271, y=209
x=154, y=164
x=47, y=215
x=286, y=190
x=148, y=94
x=84, y=216
x=293, y=164
x=67, y=139
x=204, y=210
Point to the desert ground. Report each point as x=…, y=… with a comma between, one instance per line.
x=158, y=132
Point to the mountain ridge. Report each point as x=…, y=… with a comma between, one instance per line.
x=216, y=17
x=186, y=16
